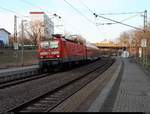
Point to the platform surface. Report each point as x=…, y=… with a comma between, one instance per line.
x=129, y=93
x=15, y=69
x=134, y=91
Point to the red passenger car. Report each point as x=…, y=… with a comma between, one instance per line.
x=93, y=52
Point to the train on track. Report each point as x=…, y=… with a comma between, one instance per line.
x=61, y=51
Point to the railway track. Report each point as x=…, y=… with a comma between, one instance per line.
x=19, y=78
x=16, y=75
x=22, y=80
x=15, y=79
x=49, y=100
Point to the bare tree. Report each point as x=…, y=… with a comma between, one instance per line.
x=35, y=31
x=124, y=39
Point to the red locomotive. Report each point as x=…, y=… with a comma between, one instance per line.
x=61, y=51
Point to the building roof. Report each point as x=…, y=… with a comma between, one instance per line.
x=5, y=30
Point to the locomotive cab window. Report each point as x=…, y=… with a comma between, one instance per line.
x=53, y=44
x=44, y=45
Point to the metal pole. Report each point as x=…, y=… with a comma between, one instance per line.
x=142, y=56
x=15, y=42
x=145, y=30
x=15, y=29
x=22, y=51
x=146, y=56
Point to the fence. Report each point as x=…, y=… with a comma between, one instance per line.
x=15, y=58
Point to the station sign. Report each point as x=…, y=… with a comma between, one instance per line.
x=143, y=43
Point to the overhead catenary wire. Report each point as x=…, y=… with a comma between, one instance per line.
x=117, y=22
x=83, y=15
x=97, y=27
x=137, y=13
x=100, y=30
x=10, y=10
x=121, y=13
x=19, y=15
x=120, y=21
x=79, y=12
x=86, y=6
x=31, y=4
x=111, y=13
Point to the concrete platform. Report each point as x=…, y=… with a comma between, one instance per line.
x=16, y=69
x=129, y=93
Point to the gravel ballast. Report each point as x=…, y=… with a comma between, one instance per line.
x=18, y=94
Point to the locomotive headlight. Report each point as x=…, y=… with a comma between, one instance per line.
x=58, y=56
x=55, y=52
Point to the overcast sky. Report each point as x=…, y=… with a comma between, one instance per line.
x=77, y=23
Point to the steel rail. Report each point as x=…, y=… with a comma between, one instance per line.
x=21, y=79
x=49, y=100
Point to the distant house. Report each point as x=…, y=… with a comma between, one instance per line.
x=4, y=37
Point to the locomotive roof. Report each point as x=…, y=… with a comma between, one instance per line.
x=76, y=39
x=90, y=45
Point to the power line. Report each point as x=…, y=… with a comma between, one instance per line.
x=9, y=10
x=120, y=13
x=79, y=12
x=116, y=21
x=83, y=15
x=129, y=17
x=114, y=14
x=120, y=21
x=98, y=29
x=86, y=6
x=19, y=15
x=31, y=4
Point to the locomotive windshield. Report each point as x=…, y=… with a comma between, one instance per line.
x=44, y=45
x=53, y=44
